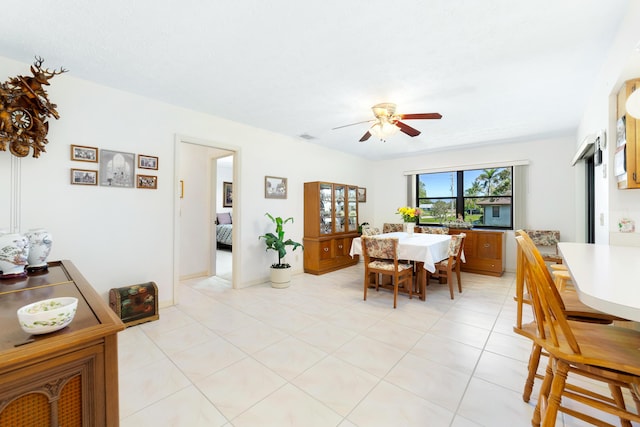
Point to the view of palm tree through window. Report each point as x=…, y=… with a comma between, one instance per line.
x=478, y=197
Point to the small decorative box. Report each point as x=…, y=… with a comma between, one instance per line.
x=136, y=303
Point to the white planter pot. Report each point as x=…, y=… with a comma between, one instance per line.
x=280, y=277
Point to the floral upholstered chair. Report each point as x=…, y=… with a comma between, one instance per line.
x=447, y=266
x=391, y=228
x=381, y=257
x=368, y=230
x=547, y=243
x=432, y=230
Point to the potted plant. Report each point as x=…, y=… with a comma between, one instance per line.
x=280, y=271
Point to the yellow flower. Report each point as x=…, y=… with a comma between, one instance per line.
x=409, y=214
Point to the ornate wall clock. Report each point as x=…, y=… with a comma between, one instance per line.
x=24, y=110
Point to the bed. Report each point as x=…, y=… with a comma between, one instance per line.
x=223, y=230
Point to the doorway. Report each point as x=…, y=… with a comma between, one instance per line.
x=198, y=200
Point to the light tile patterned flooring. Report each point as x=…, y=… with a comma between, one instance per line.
x=316, y=354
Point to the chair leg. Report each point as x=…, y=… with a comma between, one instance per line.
x=367, y=281
x=534, y=361
x=458, y=277
x=395, y=292
x=544, y=392
x=616, y=394
x=557, y=387
x=450, y=282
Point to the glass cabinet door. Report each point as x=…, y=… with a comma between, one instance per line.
x=352, y=209
x=339, y=193
x=326, y=211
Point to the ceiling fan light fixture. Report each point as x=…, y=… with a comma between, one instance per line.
x=383, y=129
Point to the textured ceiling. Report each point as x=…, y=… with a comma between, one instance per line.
x=497, y=70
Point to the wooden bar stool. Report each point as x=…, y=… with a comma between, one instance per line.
x=562, y=279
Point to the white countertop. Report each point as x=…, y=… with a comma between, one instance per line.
x=606, y=277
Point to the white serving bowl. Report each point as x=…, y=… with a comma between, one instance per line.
x=47, y=315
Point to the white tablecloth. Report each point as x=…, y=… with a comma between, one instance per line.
x=422, y=247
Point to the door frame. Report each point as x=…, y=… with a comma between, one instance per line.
x=236, y=151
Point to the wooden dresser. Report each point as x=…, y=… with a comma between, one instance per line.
x=64, y=378
x=484, y=251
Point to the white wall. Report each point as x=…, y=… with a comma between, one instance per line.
x=622, y=63
x=118, y=237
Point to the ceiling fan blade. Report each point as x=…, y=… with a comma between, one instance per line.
x=353, y=124
x=407, y=129
x=365, y=136
x=421, y=116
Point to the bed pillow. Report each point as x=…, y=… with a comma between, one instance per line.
x=224, y=218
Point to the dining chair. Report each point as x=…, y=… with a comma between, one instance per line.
x=381, y=258
x=391, y=228
x=605, y=354
x=547, y=243
x=368, y=230
x=431, y=230
x=573, y=308
x=451, y=264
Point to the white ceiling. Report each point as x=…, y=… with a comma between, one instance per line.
x=497, y=70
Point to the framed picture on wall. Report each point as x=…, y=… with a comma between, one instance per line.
x=227, y=195
x=84, y=154
x=84, y=177
x=117, y=169
x=275, y=187
x=147, y=181
x=147, y=162
x=362, y=195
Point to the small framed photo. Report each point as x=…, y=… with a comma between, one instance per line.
x=275, y=187
x=84, y=154
x=227, y=195
x=84, y=177
x=362, y=195
x=147, y=181
x=147, y=162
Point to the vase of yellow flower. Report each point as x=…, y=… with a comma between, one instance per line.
x=410, y=216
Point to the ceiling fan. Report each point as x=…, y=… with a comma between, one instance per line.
x=387, y=122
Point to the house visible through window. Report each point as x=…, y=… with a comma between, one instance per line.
x=482, y=197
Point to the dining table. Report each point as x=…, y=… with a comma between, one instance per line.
x=425, y=249
x=606, y=277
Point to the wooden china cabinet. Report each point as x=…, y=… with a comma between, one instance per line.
x=330, y=224
x=63, y=378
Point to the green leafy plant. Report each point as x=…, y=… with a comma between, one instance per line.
x=276, y=242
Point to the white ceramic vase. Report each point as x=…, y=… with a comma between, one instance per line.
x=14, y=255
x=40, y=242
x=409, y=227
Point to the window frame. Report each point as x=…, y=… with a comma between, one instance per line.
x=460, y=196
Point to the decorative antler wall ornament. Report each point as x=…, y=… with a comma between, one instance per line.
x=24, y=111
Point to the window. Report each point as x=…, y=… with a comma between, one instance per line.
x=483, y=197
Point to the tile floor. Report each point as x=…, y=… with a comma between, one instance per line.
x=316, y=354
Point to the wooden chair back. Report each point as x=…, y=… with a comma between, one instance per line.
x=548, y=308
